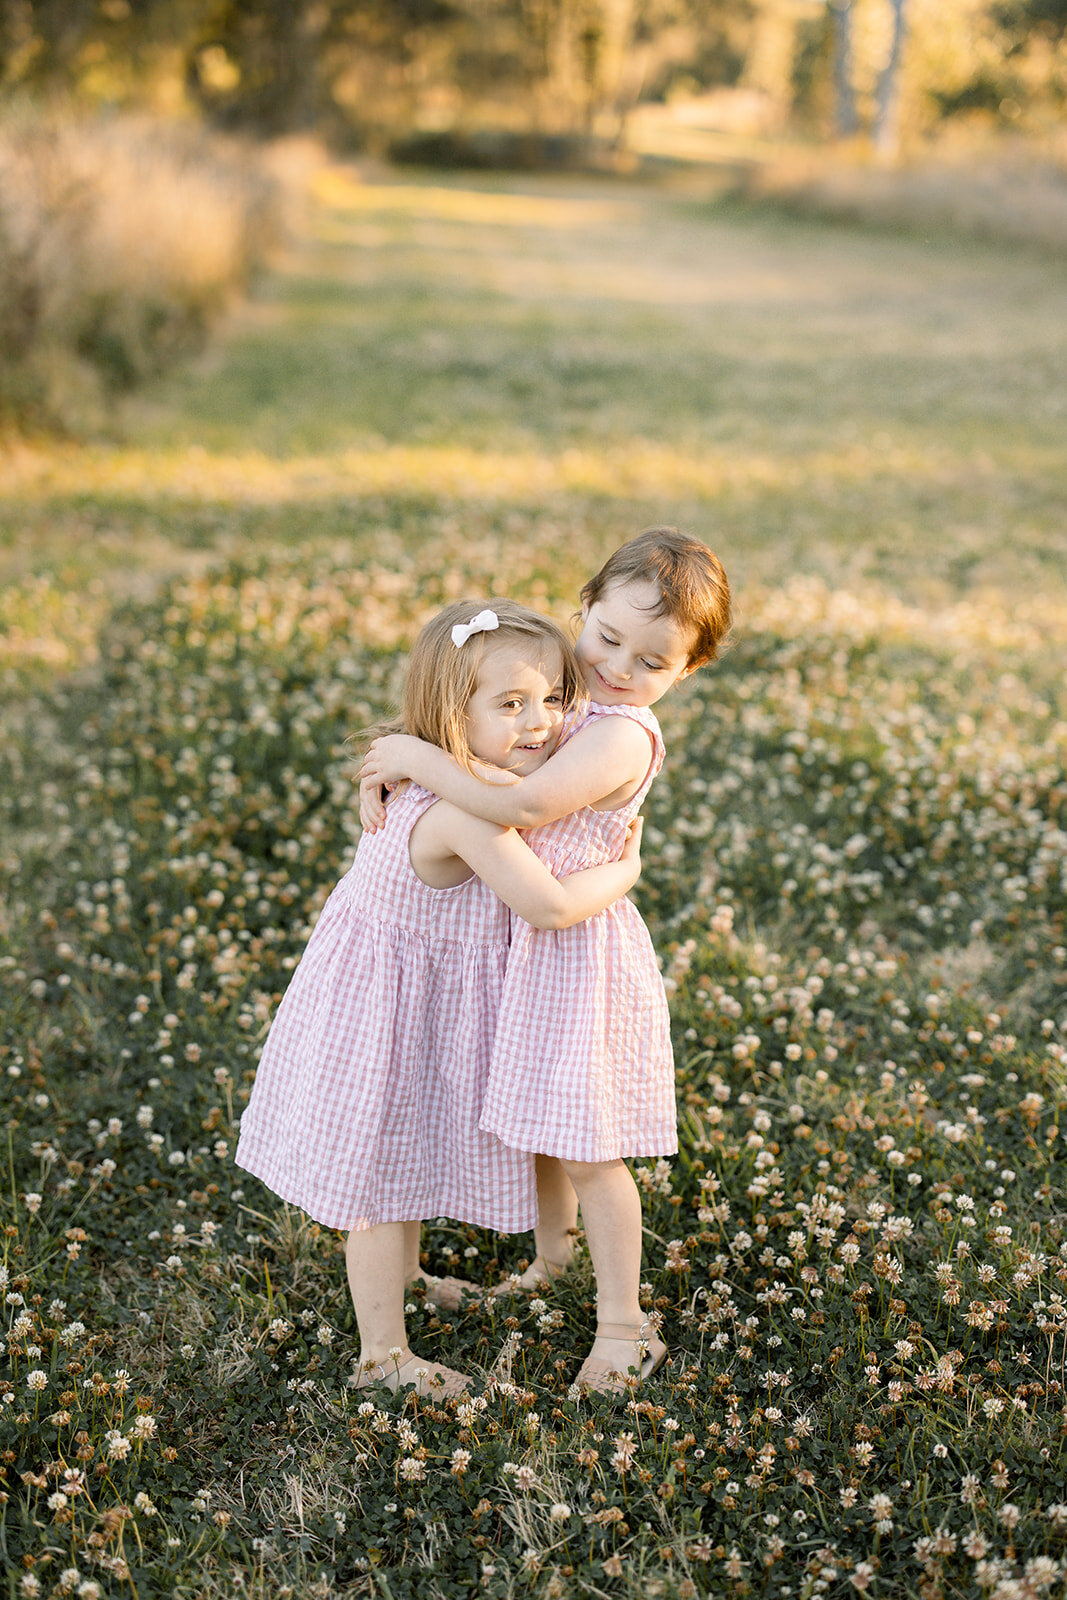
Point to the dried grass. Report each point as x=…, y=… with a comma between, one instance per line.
x=1001, y=199
x=120, y=239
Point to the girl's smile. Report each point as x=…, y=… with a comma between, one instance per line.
x=515, y=715
x=628, y=654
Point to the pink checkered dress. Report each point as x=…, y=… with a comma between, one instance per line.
x=367, y=1097
x=582, y=1063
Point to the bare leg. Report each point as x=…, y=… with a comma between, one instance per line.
x=375, y=1259
x=557, y=1208
x=448, y=1292
x=611, y=1214
x=557, y=1224
x=412, y=1241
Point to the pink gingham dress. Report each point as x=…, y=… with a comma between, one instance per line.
x=367, y=1096
x=582, y=1063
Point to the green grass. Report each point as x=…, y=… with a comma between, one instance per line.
x=854, y=871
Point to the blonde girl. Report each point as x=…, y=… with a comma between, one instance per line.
x=367, y=1099
x=582, y=1070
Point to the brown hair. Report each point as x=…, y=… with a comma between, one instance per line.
x=693, y=587
x=442, y=676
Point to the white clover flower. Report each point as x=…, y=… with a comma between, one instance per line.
x=37, y=1380
x=144, y=1426
x=1041, y=1572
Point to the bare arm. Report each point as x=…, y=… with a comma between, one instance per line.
x=609, y=756
x=507, y=864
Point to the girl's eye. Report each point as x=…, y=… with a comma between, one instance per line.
x=653, y=666
x=606, y=640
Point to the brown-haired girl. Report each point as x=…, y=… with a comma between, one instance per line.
x=368, y=1094
x=582, y=1073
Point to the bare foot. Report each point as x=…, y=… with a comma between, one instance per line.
x=540, y=1274
x=448, y=1293
x=430, y=1379
x=621, y=1358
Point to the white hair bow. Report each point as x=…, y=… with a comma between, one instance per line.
x=484, y=622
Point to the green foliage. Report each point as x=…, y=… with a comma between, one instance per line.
x=858, y=1258
x=502, y=80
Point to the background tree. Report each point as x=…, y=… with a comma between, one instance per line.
x=846, y=118
x=885, y=122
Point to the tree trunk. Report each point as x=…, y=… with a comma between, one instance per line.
x=769, y=64
x=886, y=126
x=617, y=22
x=844, y=95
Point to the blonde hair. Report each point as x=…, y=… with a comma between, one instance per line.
x=442, y=676
x=693, y=587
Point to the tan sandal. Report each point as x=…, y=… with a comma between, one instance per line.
x=448, y=1293
x=541, y=1274
x=597, y=1376
x=429, y=1379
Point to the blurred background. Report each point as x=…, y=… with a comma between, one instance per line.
x=907, y=110
x=575, y=73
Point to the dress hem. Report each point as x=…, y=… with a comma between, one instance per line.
x=417, y=1211
x=638, y=1149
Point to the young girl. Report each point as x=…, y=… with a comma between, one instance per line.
x=367, y=1098
x=591, y=1081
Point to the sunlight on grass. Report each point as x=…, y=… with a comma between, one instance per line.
x=633, y=469
x=339, y=188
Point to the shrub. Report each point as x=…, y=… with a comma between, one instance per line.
x=120, y=239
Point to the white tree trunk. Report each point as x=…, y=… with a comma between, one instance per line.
x=845, y=115
x=886, y=126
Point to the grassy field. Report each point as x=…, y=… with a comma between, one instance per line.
x=855, y=874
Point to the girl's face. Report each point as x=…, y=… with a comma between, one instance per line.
x=515, y=716
x=628, y=656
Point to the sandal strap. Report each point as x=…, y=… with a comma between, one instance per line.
x=625, y=1330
